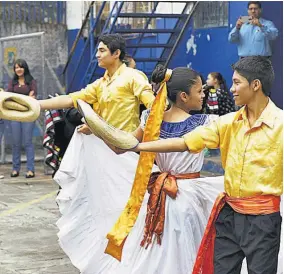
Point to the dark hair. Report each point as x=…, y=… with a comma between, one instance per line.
x=254, y=3
x=114, y=42
x=127, y=59
x=220, y=79
x=256, y=67
x=202, y=79
x=182, y=79
x=27, y=75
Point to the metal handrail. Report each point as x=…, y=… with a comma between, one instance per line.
x=104, y=31
x=108, y=28
x=146, y=26
x=165, y=50
x=181, y=32
x=86, y=44
x=78, y=37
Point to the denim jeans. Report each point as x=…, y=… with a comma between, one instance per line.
x=22, y=131
x=2, y=128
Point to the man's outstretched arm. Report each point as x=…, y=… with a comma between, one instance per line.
x=194, y=141
x=60, y=102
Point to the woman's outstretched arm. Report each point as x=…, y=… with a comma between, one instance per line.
x=165, y=145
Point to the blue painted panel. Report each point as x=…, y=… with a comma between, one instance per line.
x=205, y=50
x=214, y=52
x=71, y=34
x=273, y=11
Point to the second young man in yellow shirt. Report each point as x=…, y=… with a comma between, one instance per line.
x=118, y=94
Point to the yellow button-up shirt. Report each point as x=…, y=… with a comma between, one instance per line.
x=252, y=157
x=117, y=99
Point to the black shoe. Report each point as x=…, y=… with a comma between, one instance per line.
x=30, y=174
x=15, y=173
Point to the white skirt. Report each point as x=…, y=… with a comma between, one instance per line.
x=96, y=184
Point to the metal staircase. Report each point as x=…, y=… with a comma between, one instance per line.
x=148, y=45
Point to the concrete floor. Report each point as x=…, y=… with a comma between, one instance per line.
x=28, y=213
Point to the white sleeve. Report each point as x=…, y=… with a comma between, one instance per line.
x=211, y=118
x=143, y=118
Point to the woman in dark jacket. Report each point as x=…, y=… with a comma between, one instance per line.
x=22, y=83
x=217, y=97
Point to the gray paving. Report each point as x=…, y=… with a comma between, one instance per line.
x=28, y=213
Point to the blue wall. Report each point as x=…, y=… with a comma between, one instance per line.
x=215, y=53
x=274, y=12
x=74, y=62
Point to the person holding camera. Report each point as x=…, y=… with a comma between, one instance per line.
x=253, y=34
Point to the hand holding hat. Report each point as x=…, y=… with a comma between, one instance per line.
x=18, y=107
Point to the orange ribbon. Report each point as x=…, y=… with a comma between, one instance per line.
x=160, y=185
x=257, y=205
x=128, y=217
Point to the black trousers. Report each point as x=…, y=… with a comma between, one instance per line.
x=239, y=236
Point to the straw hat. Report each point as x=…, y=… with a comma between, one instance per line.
x=114, y=136
x=18, y=107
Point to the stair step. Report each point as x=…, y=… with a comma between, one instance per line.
x=147, y=30
x=138, y=59
x=150, y=46
x=150, y=15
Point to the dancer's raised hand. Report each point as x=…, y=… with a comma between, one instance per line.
x=84, y=129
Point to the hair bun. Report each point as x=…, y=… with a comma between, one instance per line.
x=159, y=74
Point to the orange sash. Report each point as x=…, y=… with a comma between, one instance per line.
x=159, y=186
x=258, y=205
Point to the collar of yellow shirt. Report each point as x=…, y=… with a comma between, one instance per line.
x=109, y=79
x=267, y=116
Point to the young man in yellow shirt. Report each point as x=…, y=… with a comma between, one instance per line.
x=117, y=95
x=245, y=221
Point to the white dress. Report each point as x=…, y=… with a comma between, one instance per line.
x=96, y=184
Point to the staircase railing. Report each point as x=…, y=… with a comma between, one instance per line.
x=78, y=36
x=90, y=36
x=181, y=33
x=94, y=62
x=165, y=49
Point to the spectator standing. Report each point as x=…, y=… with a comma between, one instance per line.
x=22, y=83
x=217, y=98
x=253, y=37
x=129, y=61
x=2, y=128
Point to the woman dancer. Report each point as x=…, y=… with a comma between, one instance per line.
x=96, y=186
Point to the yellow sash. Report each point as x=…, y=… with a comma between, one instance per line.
x=127, y=219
